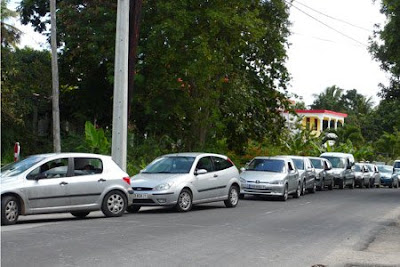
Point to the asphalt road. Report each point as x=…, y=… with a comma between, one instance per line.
x=258, y=232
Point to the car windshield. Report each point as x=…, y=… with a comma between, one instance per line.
x=357, y=168
x=18, y=167
x=396, y=165
x=385, y=169
x=336, y=162
x=370, y=168
x=170, y=165
x=317, y=163
x=299, y=163
x=266, y=165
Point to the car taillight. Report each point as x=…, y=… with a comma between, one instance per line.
x=127, y=180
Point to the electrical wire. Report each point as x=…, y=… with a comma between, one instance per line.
x=337, y=19
x=326, y=25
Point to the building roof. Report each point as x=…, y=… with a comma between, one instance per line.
x=321, y=111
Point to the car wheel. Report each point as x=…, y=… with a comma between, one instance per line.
x=80, y=214
x=332, y=185
x=313, y=189
x=184, y=201
x=233, y=197
x=9, y=210
x=303, y=188
x=241, y=196
x=285, y=195
x=114, y=204
x=321, y=187
x=397, y=185
x=361, y=185
x=342, y=184
x=297, y=194
x=133, y=208
x=391, y=184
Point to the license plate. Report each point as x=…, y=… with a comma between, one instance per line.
x=140, y=196
x=256, y=186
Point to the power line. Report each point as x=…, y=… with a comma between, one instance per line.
x=337, y=19
x=326, y=25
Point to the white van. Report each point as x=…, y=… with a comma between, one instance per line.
x=342, y=168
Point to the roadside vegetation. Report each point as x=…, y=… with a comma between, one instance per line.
x=211, y=79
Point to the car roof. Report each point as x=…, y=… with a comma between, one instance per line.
x=69, y=154
x=193, y=154
x=274, y=157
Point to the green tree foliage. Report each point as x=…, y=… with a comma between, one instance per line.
x=10, y=35
x=330, y=99
x=26, y=91
x=205, y=69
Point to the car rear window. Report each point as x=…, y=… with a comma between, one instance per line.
x=87, y=166
x=221, y=164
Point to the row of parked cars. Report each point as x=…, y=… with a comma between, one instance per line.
x=80, y=183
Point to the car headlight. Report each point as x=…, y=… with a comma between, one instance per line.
x=277, y=182
x=164, y=186
x=242, y=180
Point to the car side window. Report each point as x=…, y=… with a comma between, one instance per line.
x=87, y=166
x=53, y=169
x=205, y=163
x=221, y=164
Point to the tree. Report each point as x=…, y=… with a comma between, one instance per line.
x=330, y=99
x=10, y=35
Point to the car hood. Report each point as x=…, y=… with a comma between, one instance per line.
x=337, y=171
x=262, y=176
x=386, y=175
x=154, y=179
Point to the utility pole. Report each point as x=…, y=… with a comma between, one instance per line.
x=120, y=104
x=55, y=82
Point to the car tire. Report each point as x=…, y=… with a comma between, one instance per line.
x=332, y=185
x=233, y=197
x=297, y=194
x=185, y=201
x=303, y=188
x=361, y=185
x=313, y=189
x=342, y=185
x=321, y=187
x=391, y=184
x=114, y=204
x=285, y=195
x=80, y=214
x=133, y=208
x=10, y=210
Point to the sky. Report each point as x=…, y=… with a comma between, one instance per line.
x=328, y=46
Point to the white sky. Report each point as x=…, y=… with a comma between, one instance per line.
x=319, y=57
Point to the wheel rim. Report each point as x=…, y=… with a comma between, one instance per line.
x=115, y=203
x=234, y=196
x=298, y=190
x=303, y=189
x=11, y=211
x=286, y=193
x=184, y=200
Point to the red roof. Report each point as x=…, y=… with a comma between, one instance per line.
x=314, y=111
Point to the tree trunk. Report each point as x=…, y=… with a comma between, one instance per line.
x=55, y=83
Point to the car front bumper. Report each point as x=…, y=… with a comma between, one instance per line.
x=153, y=198
x=263, y=189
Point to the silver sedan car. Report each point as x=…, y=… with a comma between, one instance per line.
x=271, y=176
x=184, y=179
x=64, y=182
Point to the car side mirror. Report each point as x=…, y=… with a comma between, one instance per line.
x=200, y=171
x=242, y=169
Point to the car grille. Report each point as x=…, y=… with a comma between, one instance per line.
x=143, y=201
x=258, y=190
x=142, y=188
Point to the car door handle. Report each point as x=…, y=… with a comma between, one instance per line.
x=101, y=180
x=63, y=183
x=215, y=175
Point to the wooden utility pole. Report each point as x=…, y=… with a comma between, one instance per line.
x=120, y=104
x=55, y=82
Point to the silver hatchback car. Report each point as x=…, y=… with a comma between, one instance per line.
x=64, y=182
x=184, y=179
x=271, y=176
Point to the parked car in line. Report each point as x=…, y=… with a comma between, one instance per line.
x=184, y=179
x=64, y=182
x=388, y=176
x=342, y=164
x=396, y=164
x=324, y=176
x=306, y=172
x=396, y=174
x=271, y=176
x=362, y=175
x=375, y=179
